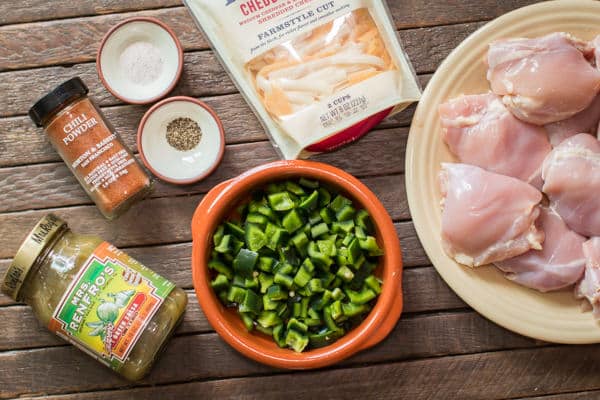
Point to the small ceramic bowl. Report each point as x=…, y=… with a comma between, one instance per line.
x=140, y=60
x=218, y=204
x=172, y=165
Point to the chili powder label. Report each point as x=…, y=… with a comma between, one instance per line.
x=108, y=305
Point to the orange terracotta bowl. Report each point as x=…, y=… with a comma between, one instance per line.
x=219, y=203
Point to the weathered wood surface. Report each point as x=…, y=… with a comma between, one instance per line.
x=439, y=349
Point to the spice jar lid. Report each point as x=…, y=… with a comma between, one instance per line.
x=52, y=102
x=34, y=244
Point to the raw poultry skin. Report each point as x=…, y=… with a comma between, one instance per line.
x=543, y=80
x=589, y=287
x=585, y=121
x=487, y=217
x=571, y=174
x=481, y=131
x=559, y=264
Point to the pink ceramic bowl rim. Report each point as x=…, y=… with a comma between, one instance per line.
x=175, y=78
x=148, y=164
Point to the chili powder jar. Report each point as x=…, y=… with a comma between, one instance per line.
x=95, y=296
x=91, y=148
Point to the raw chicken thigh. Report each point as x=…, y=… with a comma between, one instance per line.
x=585, y=121
x=481, y=131
x=571, y=174
x=487, y=217
x=589, y=287
x=559, y=264
x=543, y=80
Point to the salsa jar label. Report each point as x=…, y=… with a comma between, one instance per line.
x=109, y=304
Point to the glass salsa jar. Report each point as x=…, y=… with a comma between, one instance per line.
x=90, y=147
x=95, y=296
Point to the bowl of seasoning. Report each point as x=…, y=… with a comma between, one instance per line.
x=181, y=140
x=140, y=60
x=297, y=264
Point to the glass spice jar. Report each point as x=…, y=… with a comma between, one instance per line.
x=91, y=148
x=95, y=296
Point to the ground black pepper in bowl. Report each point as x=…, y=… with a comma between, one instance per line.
x=183, y=134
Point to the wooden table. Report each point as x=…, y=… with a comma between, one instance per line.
x=440, y=349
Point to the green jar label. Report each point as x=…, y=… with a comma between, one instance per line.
x=109, y=304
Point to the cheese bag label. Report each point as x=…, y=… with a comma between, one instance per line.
x=318, y=74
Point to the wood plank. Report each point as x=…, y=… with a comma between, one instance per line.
x=208, y=357
x=203, y=76
x=421, y=14
x=53, y=185
x=587, y=395
x=496, y=375
x=424, y=291
x=20, y=11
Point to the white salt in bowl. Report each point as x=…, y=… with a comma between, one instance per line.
x=140, y=60
x=176, y=166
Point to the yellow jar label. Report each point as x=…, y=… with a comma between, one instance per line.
x=109, y=304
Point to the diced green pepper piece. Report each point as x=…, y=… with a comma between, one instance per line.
x=296, y=325
x=294, y=188
x=342, y=226
x=252, y=303
x=236, y=294
x=362, y=297
x=296, y=310
x=255, y=237
x=304, y=307
x=352, y=310
x=363, y=220
x=327, y=247
x=248, y=321
x=370, y=245
x=336, y=311
x=266, y=331
x=301, y=241
x=324, y=338
x=224, y=246
x=218, y=235
x=267, y=212
x=310, y=202
x=339, y=202
x=236, y=246
x=283, y=311
x=244, y=262
x=283, y=279
x=373, y=283
x=329, y=321
x=239, y=281
x=257, y=219
x=346, y=213
x=279, y=335
x=315, y=285
x=220, y=283
x=285, y=268
x=354, y=251
x=267, y=264
x=265, y=281
x=276, y=293
x=313, y=313
x=269, y=305
x=317, y=257
x=221, y=268
x=296, y=340
x=302, y=276
x=281, y=201
x=314, y=218
x=252, y=283
x=267, y=319
x=308, y=183
x=312, y=322
x=292, y=221
x=319, y=230
x=345, y=273
x=360, y=232
x=324, y=197
x=337, y=294
x=275, y=188
x=235, y=230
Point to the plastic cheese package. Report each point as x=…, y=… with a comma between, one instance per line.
x=318, y=74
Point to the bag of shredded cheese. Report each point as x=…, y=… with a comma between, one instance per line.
x=317, y=73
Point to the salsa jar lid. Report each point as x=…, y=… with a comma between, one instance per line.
x=58, y=98
x=36, y=242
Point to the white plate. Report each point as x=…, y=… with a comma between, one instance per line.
x=553, y=317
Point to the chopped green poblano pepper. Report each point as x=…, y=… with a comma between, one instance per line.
x=297, y=265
